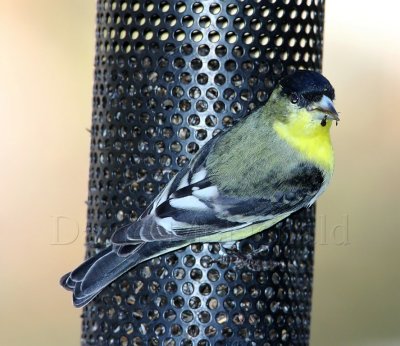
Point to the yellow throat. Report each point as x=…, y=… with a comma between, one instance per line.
x=308, y=137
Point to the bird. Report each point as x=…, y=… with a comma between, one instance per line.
x=271, y=163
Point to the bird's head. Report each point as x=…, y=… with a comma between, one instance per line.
x=302, y=113
x=307, y=96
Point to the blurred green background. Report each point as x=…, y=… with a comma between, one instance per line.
x=46, y=68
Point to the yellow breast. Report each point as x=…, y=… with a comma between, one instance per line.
x=309, y=138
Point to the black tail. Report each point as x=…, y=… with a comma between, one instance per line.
x=97, y=272
x=89, y=279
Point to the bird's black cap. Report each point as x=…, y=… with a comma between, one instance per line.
x=307, y=84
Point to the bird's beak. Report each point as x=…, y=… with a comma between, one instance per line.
x=325, y=106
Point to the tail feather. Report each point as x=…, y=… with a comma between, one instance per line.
x=93, y=275
x=97, y=272
x=80, y=272
x=66, y=282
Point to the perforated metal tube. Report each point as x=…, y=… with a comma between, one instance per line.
x=168, y=76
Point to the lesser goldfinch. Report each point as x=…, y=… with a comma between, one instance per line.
x=270, y=164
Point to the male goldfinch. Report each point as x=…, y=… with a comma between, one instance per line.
x=270, y=164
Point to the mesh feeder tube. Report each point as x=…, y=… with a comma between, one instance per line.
x=168, y=76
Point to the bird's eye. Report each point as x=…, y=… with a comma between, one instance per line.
x=294, y=98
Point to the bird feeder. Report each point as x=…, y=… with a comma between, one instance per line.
x=169, y=75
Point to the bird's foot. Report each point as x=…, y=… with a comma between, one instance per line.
x=242, y=260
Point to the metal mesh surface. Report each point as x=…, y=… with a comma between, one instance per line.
x=168, y=76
